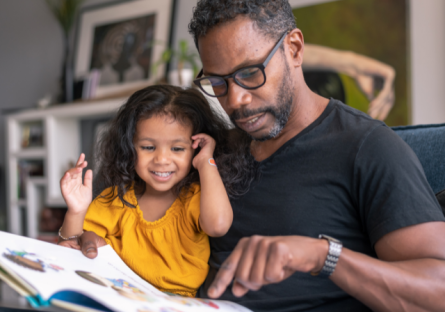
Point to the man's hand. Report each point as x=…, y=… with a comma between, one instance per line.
x=259, y=260
x=88, y=243
x=72, y=243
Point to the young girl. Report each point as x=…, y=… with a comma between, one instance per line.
x=164, y=193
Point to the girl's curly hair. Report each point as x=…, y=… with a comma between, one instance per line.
x=116, y=154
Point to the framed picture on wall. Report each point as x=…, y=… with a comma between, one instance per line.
x=358, y=52
x=121, y=41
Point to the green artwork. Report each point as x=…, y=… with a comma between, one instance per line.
x=376, y=31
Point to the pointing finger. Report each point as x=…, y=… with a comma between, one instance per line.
x=227, y=271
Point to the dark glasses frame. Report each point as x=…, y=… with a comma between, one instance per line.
x=261, y=67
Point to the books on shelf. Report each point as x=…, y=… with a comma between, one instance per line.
x=49, y=274
x=26, y=169
x=32, y=134
x=85, y=88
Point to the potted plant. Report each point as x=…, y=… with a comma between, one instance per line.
x=181, y=76
x=65, y=13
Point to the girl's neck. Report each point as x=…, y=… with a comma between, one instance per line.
x=154, y=204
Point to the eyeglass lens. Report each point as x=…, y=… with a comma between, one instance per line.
x=250, y=77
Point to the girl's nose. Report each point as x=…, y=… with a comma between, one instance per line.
x=162, y=157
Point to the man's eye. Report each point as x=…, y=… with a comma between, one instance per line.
x=148, y=148
x=178, y=149
x=247, y=73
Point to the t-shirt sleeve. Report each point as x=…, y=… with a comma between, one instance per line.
x=391, y=187
x=103, y=218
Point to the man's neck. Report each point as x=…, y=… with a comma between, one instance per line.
x=305, y=111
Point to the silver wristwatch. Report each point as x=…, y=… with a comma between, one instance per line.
x=334, y=252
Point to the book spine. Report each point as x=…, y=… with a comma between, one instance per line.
x=34, y=302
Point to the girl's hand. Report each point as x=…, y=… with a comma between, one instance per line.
x=207, y=144
x=77, y=196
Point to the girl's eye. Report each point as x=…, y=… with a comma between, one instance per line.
x=178, y=149
x=148, y=148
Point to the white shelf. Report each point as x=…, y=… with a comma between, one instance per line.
x=61, y=137
x=19, y=202
x=55, y=202
x=42, y=181
x=30, y=153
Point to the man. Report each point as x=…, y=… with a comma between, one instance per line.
x=325, y=169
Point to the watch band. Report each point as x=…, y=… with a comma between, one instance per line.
x=335, y=247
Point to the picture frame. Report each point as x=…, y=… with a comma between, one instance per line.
x=122, y=40
x=302, y=3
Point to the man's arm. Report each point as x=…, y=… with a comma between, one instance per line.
x=408, y=276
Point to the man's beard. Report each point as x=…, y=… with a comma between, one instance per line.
x=281, y=111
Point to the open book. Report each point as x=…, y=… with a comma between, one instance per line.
x=49, y=274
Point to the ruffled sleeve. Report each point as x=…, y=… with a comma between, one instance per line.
x=103, y=217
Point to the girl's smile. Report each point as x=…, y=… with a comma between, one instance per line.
x=164, y=152
x=162, y=176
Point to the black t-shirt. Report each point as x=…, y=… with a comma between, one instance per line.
x=347, y=176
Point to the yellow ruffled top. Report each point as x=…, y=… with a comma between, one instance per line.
x=171, y=253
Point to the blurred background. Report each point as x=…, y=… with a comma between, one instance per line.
x=115, y=47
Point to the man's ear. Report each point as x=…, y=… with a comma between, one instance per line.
x=295, y=45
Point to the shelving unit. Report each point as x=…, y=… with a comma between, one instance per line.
x=59, y=145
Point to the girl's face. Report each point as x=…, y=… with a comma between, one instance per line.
x=164, y=152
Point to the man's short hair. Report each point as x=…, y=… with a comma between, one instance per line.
x=272, y=17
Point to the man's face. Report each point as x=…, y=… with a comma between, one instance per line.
x=263, y=112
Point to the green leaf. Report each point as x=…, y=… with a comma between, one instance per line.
x=65, y=12
x=183, y=47
x=167, y=55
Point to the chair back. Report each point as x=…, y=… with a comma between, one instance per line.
x=428, y=142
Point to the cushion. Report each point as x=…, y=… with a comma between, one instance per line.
x=428, y=142
x=441, y=198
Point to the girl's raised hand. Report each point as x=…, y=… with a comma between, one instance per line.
x=77, y=195
x=207, y=144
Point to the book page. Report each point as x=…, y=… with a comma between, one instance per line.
x=51, y=269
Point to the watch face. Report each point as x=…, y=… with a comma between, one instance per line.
x=329, y=238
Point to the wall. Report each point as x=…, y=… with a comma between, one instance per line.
x=428, y=61
x=184, y=12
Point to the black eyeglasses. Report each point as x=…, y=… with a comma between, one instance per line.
x=249, y=77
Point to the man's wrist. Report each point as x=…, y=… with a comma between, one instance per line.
x=331, y=259
x=323, y=253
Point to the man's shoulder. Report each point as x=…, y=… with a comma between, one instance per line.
x=345, y=127
x=352, y=119
x=339, y=126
